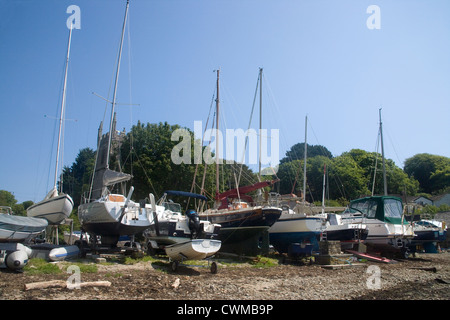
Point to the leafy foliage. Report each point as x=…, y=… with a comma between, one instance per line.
x=350, y=176
x=77, y=178
x=146, y=154
x=297, y=152
x=7, y=199
x=432, y=171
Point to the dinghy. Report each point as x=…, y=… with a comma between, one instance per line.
x=197, y=249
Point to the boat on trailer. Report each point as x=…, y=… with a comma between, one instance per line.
x=196, y=249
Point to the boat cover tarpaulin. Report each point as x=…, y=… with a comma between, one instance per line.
x=384, y=208
x=20, y=223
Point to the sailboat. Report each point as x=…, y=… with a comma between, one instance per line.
x=111, y=215
x=298, y=225
x=384, y=217
x=56, y=206
x=305, y=225
x=244, y=222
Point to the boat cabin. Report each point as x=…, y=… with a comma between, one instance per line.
x=384, y=208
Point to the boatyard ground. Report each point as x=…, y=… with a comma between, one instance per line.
x=424, y=277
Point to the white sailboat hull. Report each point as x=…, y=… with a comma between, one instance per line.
x=54, y=210
x=102, y=217
x=197, y=249
x=297, y=223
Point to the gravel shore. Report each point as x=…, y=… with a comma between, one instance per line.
x=424, y=277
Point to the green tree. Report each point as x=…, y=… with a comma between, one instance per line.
x=347, y=178
x=397, y=180
x=290, y=174
x=297, y=152
x=77, y=178
x=432, y=171
x=147, y=151
x=7, y=199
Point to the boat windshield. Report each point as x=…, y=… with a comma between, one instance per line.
x=5, y=210
x=369, y=208
x=172, y=206
x=392, y=208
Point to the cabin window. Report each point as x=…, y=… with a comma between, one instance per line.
x=392, y=208
x=369, y=208
x=172, y=206
x=372, y=209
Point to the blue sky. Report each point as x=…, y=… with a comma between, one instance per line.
x=319, y=57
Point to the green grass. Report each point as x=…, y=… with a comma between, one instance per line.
x=264, y=262
x=41, y=266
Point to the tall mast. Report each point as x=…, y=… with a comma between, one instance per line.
x=63, y=103
x=382, y=154
x=304, y=164
x=217, y=136
x=260, y=122
x=115, y=86
x=323, y=187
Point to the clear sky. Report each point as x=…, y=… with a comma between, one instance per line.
x=319, y=57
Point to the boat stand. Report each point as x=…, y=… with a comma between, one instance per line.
x=175, y=263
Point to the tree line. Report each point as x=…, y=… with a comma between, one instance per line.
x=145, y=153
x=146, y=150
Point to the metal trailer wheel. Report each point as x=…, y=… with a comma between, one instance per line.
x=174, y=265
x=213, y=268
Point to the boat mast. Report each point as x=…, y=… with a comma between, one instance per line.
x=304, y=165
x=382, y=154
x=260, y=122
x=217, y=136
x=115, y=86
x=63, y=103
x=323, y=187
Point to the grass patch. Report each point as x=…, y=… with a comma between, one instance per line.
x=84, y=267
x=264, y=262
x=41, y=266
x=130, y=260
